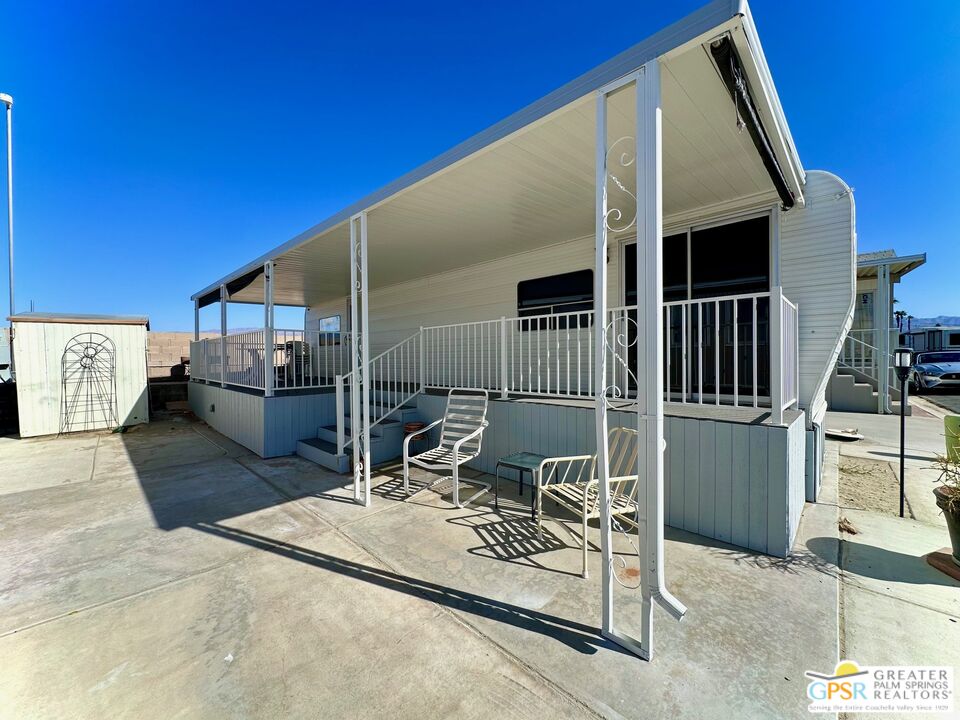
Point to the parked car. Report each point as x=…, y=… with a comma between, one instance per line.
x=939, y=370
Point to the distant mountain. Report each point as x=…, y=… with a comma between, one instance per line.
x=945, y=320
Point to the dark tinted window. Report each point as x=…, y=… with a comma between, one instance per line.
x=731, y=259
x=568, y=292
x=674, y=269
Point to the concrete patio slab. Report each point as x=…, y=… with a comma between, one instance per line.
x=173, y=582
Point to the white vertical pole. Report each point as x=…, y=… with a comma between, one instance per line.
x=503, y=357
x=423, y=360
x=776, y=355
x=365, y=340
x=8, y=101
x=355, y=350
x=650, y=356
x=600, y=360
x=268, y=342
x=223, y=336
x=881, y=315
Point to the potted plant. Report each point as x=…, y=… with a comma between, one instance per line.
x=948, y=499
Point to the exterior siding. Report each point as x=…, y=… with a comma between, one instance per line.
x=238, y=415
x=291, y=418
x=818, y=257
x=270, y=427
x=739, y=483
x=486, y=291
x=39, y=350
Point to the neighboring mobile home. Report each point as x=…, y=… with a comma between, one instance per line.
x=640, y=247
x=864, y=379
x=938, y=337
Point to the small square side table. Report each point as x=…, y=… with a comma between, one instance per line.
x=521, y=462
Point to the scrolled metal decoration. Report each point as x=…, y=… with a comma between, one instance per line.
x=621, y=211
x=618, y=342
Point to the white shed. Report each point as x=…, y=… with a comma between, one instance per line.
x=79, y=372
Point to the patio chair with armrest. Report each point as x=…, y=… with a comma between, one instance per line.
x=572, y=482
x=461, y=436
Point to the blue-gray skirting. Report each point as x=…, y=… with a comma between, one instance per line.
x=737, y=482
x=743, y=483
x=269, y=427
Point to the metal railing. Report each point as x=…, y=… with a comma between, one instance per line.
x=299, y=359
x=856, y=354
x=393, y=378
x=716, y=351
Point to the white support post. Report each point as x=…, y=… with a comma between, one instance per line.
x=355, y=422
x=269, y=375
x=223, y=336
x=600, y=364
x=196, y=319
x=776, y=355
x=503, y=358
x=649, y=349
x=365, y=339
x=881, y=317
x=360, y=335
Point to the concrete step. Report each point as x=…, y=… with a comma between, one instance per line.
x=329, y=432
x=324, y=453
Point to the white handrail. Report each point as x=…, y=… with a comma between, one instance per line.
x=394, y=375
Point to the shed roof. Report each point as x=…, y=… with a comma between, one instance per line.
x=80, y=319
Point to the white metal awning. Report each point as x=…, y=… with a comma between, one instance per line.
x=528, y=182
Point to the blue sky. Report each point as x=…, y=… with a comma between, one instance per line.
x=160, y=145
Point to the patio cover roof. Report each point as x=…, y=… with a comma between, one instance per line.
x=869, y=263
x=528, y=181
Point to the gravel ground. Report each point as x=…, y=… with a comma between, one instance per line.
x=869, y=485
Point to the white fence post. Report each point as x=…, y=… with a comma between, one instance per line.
x=503, y=357
x=340, y=419
x=776, y=355
x=422, y=361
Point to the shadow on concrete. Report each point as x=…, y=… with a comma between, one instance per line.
x=821, y=560
x=512, y=540
x=926, y=458
x=191, y=489
x=577, y=636
x=880, y=563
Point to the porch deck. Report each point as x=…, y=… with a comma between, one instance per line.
x=230, y=584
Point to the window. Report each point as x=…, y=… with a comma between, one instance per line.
x=730, y=259
x=565, y=293
x=330, y=324
x=674, y=269
x=954, y=339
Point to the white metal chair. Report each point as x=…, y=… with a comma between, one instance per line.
x=461, y=436
x=572, y=482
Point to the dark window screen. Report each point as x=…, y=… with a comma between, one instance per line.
x=568, y=292
x=674, y=269
x=731, y=259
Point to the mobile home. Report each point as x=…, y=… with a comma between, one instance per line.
x=932, y=338
x=864, y=379
x=641, y=247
